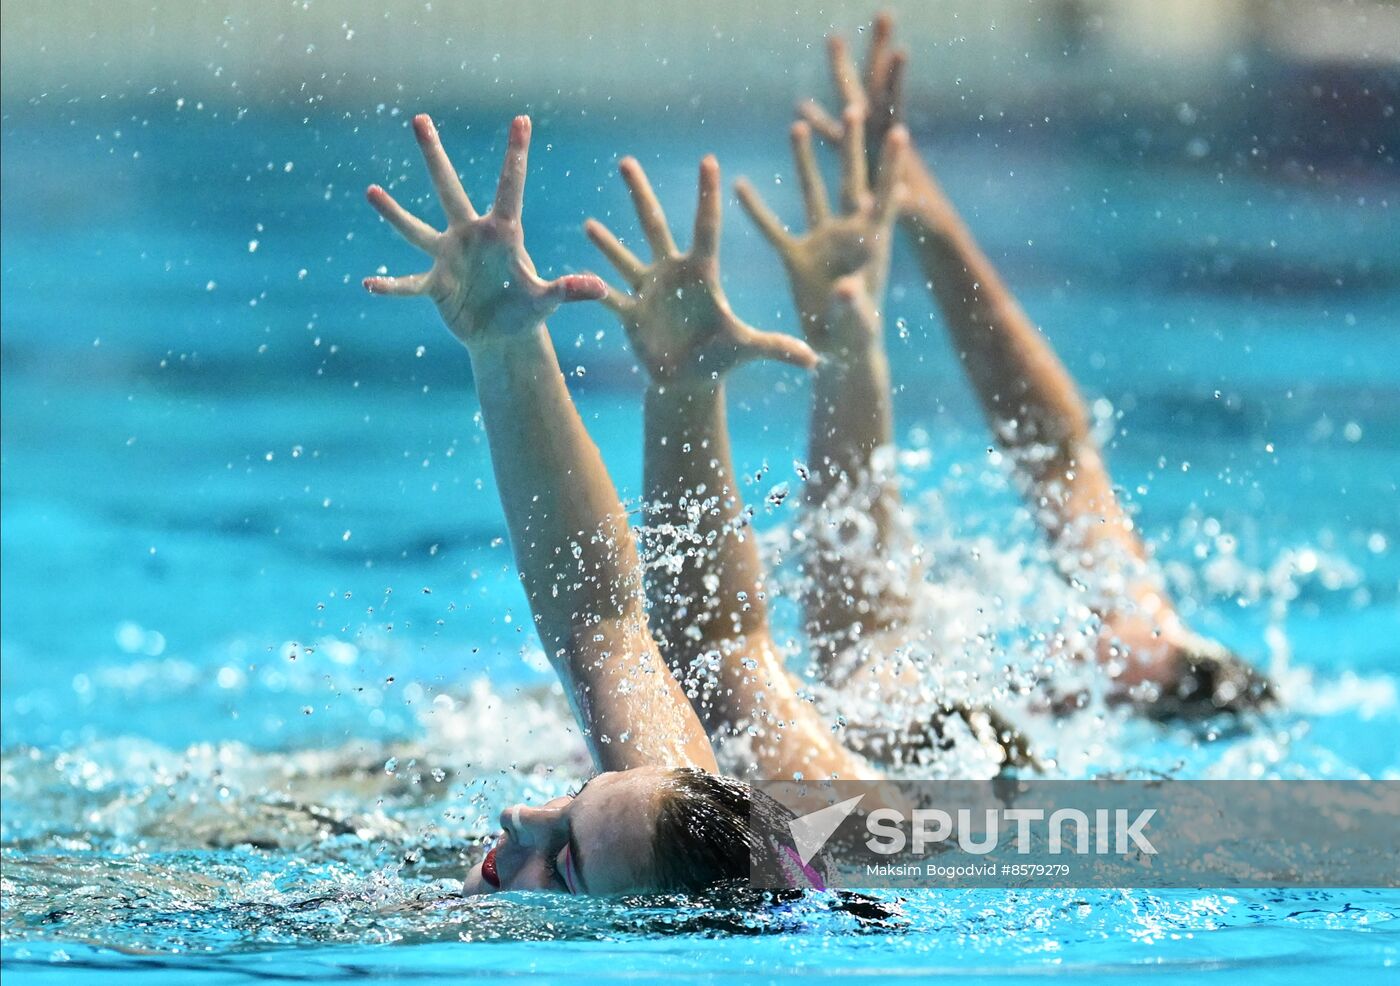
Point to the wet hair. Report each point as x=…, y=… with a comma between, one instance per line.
x=713, y=831
x=1214, y=681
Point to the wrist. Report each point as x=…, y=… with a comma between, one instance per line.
x=502, y=350
x=929, y=222
x=684, y=391
x=923, y=206
x=854, y=356
x=844, y=343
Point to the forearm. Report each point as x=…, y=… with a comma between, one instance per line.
x=1016, y=374
x=1029, y=398
x=706, y=578
x=706, y=589
x=851, y=418
x=853, y=585
x=568, y=530
x=576, y=559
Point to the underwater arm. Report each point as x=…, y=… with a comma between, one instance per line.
x=568, y=530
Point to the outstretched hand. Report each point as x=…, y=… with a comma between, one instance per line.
x=855, y=240
x=482, y=280
x=677, y=318
x=877, y=96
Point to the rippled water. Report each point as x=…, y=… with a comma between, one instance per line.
x=267, y=672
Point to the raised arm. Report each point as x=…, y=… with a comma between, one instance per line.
x=1028, y=396
x=1037, y=413
x=568, y=531
x=706, y=582
x=838, y=270
x=686, y=336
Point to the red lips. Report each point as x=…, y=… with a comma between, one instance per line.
x=488, y=869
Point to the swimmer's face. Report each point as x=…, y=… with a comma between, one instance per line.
x=597, y=841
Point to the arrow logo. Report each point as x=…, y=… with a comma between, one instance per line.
x=810, y=832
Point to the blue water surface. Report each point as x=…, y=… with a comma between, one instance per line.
x=267, y=671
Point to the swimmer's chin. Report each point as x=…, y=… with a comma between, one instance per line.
x=475, y=884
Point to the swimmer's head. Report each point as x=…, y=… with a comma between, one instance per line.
x=647, y=830
x=1210, y=680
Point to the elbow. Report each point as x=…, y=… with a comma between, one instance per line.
x=1060, y=431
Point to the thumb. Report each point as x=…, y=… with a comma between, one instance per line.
x=779, y=346
x=576, y=287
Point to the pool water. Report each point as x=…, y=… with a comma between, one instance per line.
x=267, y=671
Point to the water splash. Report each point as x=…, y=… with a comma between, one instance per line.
x=127, y=844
